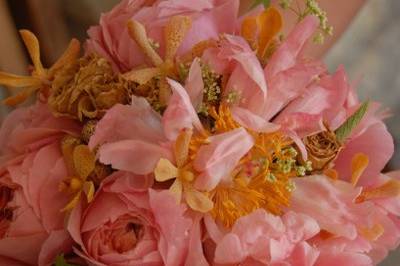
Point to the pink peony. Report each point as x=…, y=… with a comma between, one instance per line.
x=138, y=143
x=128, y=224
x=264, y=239
x=111, y=39
x=354, y=233
x=32, y=232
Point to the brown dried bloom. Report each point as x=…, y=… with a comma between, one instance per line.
x=87, y=88
x=322, y=149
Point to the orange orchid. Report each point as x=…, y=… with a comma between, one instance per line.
x=40, y=77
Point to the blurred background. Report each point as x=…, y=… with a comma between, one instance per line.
x=368, y=49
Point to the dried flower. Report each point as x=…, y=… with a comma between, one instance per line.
x=322, y=148
x=87, y=88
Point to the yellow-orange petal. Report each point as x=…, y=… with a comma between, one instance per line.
x=270, y=23
x=138, y=33
x=181, y=147
x=20, y=97
x=32, y=44
x=198, y=201
x=88, y=189
x=17, y=81
x=72, y=203
x=68, y=144
x=359, y=163
x=389, y=189
x=75, y=184
x=176, y=190
x=331, y=173
x=249, y=29
x=70, y=54
x=84, y=161
x=372, y=233
x=175, y=32
x=165, y=170
x=142, y=76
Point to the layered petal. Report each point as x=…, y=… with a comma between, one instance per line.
x=216, y=160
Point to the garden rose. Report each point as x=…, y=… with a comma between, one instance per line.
x=128, y=224
x=111, y=39
x=32, y=231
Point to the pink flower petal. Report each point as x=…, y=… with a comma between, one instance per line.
x=180, y=113
x=251, y=121
x=135, y=121
x=133, y=156
x=194, y=84
x=377, y=143
x=216, y=160
x=287, y=54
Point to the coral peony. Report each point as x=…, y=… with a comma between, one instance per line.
x=111, y=39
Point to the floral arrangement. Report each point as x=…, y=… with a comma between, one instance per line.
x=189, y=135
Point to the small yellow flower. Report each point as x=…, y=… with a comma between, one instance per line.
x=183, y=175
x=41, y=77
x=80, y=162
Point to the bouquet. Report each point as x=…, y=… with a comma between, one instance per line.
x=185, y=134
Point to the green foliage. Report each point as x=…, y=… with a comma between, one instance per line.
x=350, y=124
x=60, y=261
x=266, y=3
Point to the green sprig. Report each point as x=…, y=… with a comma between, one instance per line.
x=266, y=3
x=350, y=124
x=60, y=261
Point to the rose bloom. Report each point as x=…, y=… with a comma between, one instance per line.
x=111, y=39
x=32, y=225
x=127, y=224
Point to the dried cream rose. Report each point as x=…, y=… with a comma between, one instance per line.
x=322, y=149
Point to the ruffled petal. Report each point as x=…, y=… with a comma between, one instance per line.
x=216, y=160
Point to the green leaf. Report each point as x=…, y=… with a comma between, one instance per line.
x=266, y=3
x=348, y=126
x=60, y=261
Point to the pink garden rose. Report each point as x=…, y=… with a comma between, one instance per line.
x=261, y=238
x=111, y=39
x=32, y=227
x=127, y=224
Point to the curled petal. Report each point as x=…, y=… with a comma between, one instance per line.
x=271, y=23
x=180, y=112
x=138, y=33
x=18, y=81
x=32, y=44
x=142, y=76
x=175, y=32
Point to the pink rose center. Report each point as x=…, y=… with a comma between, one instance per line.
x=6, y=213
x=124, y=234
